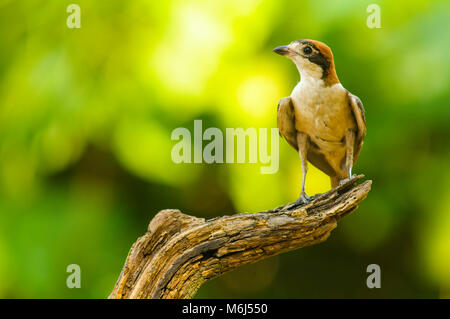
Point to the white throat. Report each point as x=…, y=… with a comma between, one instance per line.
x=309, y=71
x=311, y=81
x=313, y=86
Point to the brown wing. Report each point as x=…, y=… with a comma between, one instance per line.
x=360, y=118
x=286, y=121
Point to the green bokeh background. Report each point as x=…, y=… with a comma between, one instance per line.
x=86, y=117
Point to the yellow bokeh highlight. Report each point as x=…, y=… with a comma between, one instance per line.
x=191, y=50
x=255, y=95
x=436, y=245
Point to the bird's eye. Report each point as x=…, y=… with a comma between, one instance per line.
x=307, y=50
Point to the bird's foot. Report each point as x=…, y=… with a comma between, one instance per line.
x=303, y=199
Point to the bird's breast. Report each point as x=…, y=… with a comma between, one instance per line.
x=323, y=114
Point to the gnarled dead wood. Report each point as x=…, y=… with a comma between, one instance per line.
x=179, y=253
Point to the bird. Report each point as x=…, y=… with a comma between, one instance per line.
x=321, y=120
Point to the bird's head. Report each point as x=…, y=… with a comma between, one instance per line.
x=312, y=58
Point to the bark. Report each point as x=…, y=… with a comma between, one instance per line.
x=179, y=252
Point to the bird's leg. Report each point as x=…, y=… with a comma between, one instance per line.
x=350, y=145
x=302, y=143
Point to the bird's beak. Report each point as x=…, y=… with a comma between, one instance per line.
x=283, y=50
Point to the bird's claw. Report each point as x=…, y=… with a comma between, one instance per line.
x=303, y=199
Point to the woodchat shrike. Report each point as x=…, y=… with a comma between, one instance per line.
x=323, y=121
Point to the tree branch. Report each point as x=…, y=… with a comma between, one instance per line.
x=179, y=252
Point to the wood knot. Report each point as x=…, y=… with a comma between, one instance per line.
x=173, y=219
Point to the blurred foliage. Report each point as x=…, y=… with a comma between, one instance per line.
x=86, y=117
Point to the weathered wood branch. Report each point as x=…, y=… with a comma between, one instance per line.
x=179, y=253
